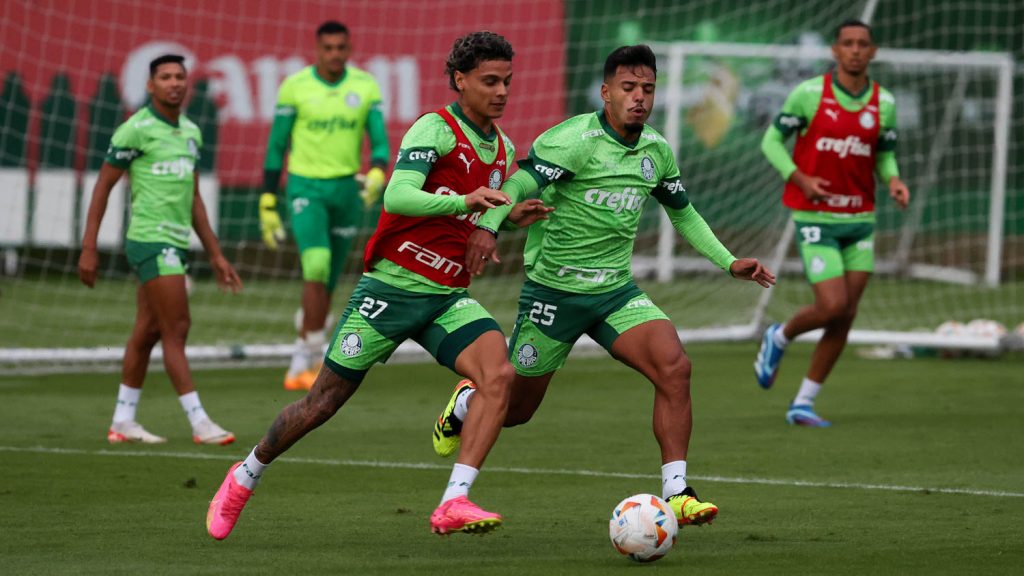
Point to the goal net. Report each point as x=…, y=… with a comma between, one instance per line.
x=71, y=72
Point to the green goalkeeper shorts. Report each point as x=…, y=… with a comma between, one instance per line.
x=830, y=250
x=550, y=321
x=379, y=317
x=152, y=259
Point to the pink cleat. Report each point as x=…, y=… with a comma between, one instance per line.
x=461, y=515
x=226, y=506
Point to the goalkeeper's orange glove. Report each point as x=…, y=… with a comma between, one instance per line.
x=270, y=220
x=373, y=186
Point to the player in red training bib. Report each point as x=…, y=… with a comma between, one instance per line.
x=846, y=133
x=448, y=170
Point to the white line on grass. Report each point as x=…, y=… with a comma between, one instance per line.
x=516, y=470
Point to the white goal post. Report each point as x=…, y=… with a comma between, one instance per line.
x=666, y=263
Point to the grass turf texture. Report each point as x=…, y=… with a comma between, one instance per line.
x=132, y=509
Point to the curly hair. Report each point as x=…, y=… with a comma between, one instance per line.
x=472, y=49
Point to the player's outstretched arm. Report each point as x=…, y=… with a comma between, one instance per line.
x=227, y=278
x=751, y=269
x=88, y=261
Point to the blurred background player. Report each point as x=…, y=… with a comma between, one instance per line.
x=601, y=168
x=159, y=147
x=322, y=112
x=414, y=286
x=846, y=132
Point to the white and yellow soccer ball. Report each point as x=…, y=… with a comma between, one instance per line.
x=643, y=527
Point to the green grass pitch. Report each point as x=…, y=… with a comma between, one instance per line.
x=921, y=474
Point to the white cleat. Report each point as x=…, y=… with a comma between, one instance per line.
x=208, y=432
x=131, y=431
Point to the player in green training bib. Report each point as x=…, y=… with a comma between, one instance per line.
x=600, y=170
x=158, y=146
x=846, y=133
x=323, y=113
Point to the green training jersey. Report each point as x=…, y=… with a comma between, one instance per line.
x=160, y=157
x=329, y=120
x=427, y=140
x=599, y=185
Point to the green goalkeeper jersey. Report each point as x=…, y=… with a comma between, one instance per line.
x=160, y=157
x=325, y=123
x=599, y=185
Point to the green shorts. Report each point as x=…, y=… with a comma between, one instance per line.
x=550, y=321
x=379, y=317
x=151, y=259
x=325, y=216
x=831, y=250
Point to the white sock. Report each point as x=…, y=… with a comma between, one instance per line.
x=315, y=343
x=460, y=482
x=250, y=472
x=127, y=401
x=300, y=359
x=673, y=478
x=462, y=403
x=808, y=392
x=780, y=339
x=193, y=408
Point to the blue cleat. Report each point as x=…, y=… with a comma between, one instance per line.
x=804, y=415
x=766, y=366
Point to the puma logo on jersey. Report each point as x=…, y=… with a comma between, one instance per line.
x=833, y=114
x=844, y=147
x=466, y=161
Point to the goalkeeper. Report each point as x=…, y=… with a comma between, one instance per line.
x=322, y=111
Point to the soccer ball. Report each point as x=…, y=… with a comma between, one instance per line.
x=643, y=527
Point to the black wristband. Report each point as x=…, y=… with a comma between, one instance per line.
x=486, y=229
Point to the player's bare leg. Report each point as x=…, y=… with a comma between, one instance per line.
x=167, y=299
x=527, y=394
x=485, y=363
x=145, y=335
x=328, y=394
x=316, y=302
x=834, y=308
x=833, y=341
x=654, y=350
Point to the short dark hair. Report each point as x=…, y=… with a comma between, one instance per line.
x=331, y=27
x=630, y=57
x=853, y=23
x=472, y=49
x=165, y=59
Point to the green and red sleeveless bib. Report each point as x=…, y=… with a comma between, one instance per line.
x=838, y=146
x=435, y=246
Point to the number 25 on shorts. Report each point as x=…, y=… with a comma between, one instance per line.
x=543, y=314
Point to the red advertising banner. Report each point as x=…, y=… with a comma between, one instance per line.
x=244, y=49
